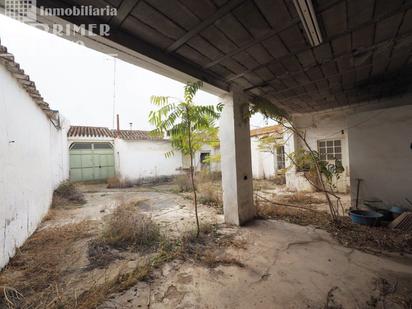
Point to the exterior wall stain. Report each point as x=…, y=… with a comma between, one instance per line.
x=33, y=161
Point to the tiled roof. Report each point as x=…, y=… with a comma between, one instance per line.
x=86, y=131
x=267, y=130
x=135, y=135
x=7, y=59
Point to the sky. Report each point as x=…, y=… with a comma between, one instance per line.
x=79, y=82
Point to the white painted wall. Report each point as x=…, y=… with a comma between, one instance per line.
x=380, y=145
x=263, y=163
x=214, y=166
x=319, y=126
x=140, y=159
x=33, y=161
x=237, y=178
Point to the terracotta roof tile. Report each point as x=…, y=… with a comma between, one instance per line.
x=7, y=59
x=135, y=135
x=87, y=131
x=267, y=130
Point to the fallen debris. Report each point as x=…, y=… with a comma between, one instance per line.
x=403, y=222
x=370, y=239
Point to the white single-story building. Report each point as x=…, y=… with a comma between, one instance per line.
x=326, y=133
x=373, y=142
x=33, y=156
x=97, y=153
x=268, y=160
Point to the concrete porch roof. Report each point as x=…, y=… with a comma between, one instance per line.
x=261, y=47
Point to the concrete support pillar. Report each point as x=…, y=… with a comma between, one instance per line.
x=236, y=163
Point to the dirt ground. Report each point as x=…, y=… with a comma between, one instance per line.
x=280, y=194
x=282, y=265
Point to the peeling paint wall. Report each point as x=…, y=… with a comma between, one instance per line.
x=33, y=161
x=380, y=145
x=317, y=127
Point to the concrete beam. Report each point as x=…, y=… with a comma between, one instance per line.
x=236, y=160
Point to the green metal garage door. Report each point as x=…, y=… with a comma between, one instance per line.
x=91, y=161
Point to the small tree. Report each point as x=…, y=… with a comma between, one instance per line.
x=308, y=158
x=269, y=143
x=187, y=124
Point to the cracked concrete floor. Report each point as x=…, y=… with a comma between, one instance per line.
x=287, y=266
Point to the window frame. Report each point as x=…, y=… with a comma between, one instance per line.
x=282, y=156
x=330, y=147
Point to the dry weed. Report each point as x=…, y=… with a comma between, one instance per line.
x=263, y=184
x=205, y=248
x=202, y=250
x=210, y=194
x=208, y=176
x=37, y=268
x=118, y=183
x=365, y=238
x=39, y=271
x=67, y=193
x=127, y=228
x=100, y=254
x=293, y=215
x=96, y=295
x=302, y=198
x=183, y=183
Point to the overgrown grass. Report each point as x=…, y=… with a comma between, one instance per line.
x=127, y=228
x=208, y=187
x=118, y=183
x=203, y=250
x=183, y=183
x=293, y=215
x=37, y=276
x=302, y=198
x=210, y=194
x=37, y=268
x=67, y=193
x=263, y=184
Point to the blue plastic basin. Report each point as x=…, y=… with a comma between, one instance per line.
x=365, y=217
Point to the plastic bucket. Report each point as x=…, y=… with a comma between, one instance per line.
x=365, y=217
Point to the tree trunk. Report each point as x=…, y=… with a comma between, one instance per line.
x=333, y=212
x=192, y=173
x=194, y=194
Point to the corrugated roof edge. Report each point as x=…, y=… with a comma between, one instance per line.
x=7, y=59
